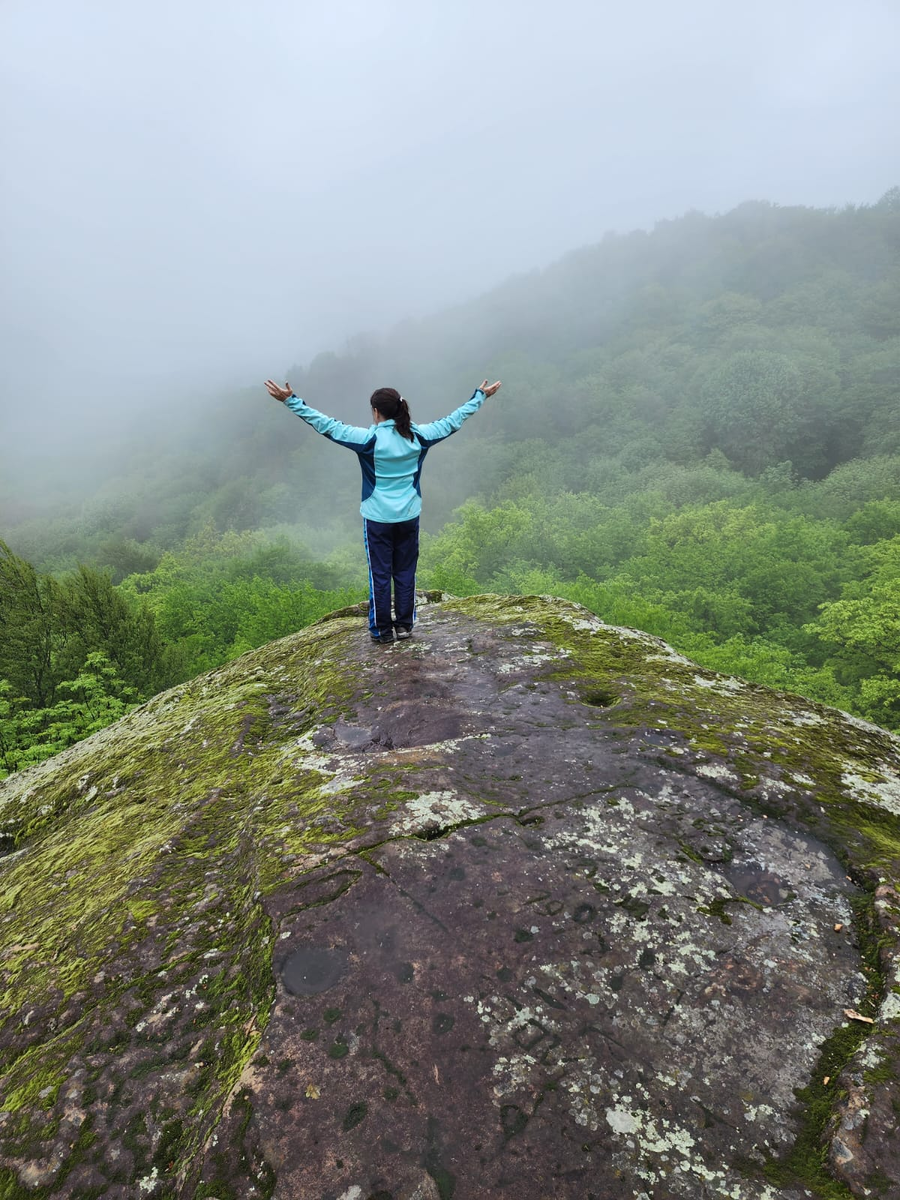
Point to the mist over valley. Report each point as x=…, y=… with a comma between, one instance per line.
x=697, y=432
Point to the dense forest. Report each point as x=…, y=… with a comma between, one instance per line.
x=698, y=435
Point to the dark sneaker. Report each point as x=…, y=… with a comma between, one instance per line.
x=383, y=639
x=404, y=631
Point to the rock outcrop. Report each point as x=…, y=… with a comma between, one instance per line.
x=526, y=907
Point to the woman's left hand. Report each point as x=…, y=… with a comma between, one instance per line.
x=279, y=393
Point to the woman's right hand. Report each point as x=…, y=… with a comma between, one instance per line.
x=490, y=388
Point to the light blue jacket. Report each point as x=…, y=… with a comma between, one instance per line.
x=391, y=464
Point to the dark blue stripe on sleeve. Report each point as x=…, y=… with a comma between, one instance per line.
x=418, y=475
x=367, y=463
x=359, y=447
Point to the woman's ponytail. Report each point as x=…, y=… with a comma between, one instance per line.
x=391, y=405
x=401, y=421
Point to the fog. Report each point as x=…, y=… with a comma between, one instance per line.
x=196, y=195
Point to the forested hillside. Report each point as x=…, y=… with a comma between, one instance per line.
x=698, y=434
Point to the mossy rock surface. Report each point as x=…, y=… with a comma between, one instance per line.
x=526, y=906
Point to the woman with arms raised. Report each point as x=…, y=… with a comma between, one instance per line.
x=391, y=452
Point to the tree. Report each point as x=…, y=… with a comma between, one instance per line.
x=49, y=627
x=93, y=615
x=865, y=625
x=27, y=628
x=762, y=407
x=95, y=698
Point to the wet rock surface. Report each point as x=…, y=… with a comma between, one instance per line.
x=524, y=907
x=557, y=1007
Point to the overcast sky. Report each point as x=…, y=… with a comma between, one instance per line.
x=208, y=190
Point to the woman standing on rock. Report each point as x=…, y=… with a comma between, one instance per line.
x=391, y=452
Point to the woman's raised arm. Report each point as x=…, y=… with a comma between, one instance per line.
x=353, y=437
x=436, y=431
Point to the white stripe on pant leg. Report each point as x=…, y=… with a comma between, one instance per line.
x=415, y=579
x=371, y=576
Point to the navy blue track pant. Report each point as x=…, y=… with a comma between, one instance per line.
x=392, y=549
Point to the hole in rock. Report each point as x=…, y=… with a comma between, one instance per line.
x=353, y=736
x=758, y=884
x=599, y=698
x=356, y=1114
x=430, y=833
x=513, y=1120
x=309, y=971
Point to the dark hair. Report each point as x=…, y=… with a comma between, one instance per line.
x=393, y=407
